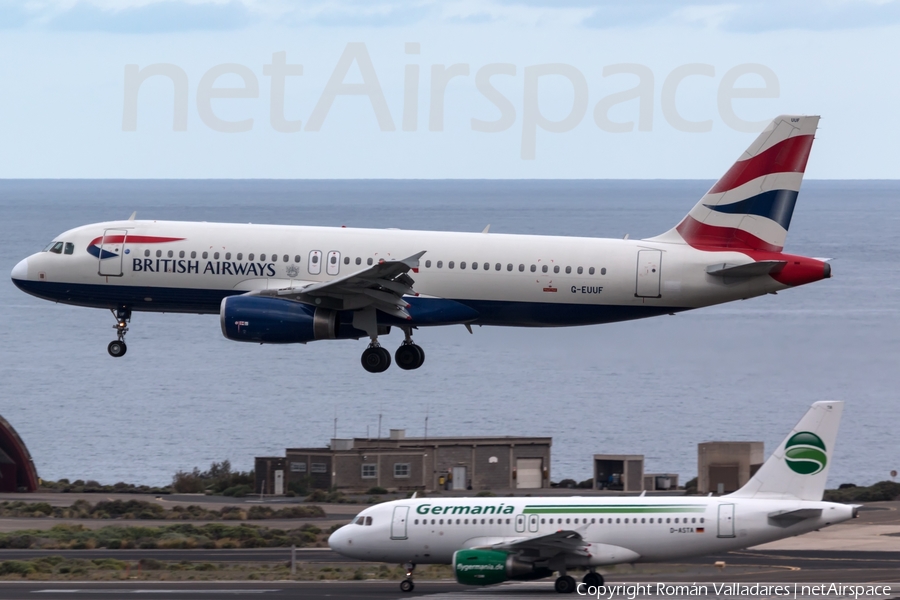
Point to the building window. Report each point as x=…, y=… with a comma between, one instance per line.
x=401, y=470
x=298, y=467
x=318, y=468
x=369, y=471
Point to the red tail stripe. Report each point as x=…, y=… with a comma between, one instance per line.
x=133, y=239
x=711, y=237
x=789, y=156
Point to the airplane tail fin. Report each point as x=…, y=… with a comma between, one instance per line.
x=750, y=207
x=798, y=469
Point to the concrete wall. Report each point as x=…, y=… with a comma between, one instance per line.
x=722, y=460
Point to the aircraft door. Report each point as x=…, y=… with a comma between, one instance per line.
x=398, y=524
x=649, y=269
x=333, y=266
x=520, y=523
x=726, y=521
x=112, y=252
x=315, y=262
x=532, y=523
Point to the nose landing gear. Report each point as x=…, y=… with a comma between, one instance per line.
x=117, y=347
x=407, y=584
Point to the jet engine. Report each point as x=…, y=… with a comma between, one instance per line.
x=277, y=321
x=485, y=567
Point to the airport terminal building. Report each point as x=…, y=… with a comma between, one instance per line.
x=402, y=463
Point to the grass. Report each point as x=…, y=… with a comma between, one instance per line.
x=140, y=509
x=179, y=536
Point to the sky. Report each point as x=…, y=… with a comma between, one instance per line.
x=422, y=89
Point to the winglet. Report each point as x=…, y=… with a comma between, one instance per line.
x=133, y=215
x=486, y=229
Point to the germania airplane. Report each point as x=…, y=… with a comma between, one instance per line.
x=280, y=284
x=491, y=540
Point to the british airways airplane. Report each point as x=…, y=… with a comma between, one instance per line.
x=276, y=284
x=492, y=540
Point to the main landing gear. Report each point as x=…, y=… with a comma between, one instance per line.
x=592, y=579
x=117, y=347
x=407, y=584
x=409, y=355
x=565, y=584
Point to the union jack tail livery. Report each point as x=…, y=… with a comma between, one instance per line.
x=750, y=207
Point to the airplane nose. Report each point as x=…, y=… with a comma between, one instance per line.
x=337, y=541
x=20, y=271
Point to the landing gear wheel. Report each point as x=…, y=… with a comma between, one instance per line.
x=593, y=579
x=375, y=359
x=409, y=357
x=565, y=584
x=407, y=585
x=116, y=348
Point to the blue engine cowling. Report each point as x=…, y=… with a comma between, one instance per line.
x=275, y=321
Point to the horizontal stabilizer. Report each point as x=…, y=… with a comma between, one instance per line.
x=796, y=515
x=754, y=269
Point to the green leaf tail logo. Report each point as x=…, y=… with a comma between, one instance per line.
x=805, y=453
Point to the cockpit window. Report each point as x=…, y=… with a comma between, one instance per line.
x=57, y=248
x=70, y=248
x=368, y=520
x=360, y=521
x=47, y=249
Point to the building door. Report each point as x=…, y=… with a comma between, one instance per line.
x=529, y=473
x=726, y=520
x=398, y=525
x=112, y=252
x=649, y=268
x=459, y=478
x=279, y=482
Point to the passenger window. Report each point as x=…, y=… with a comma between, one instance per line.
x=509, y=267
x=216, y=256
x=358, y=260
x=249, y=256
x=296, y=258
x=580, y=270
x=474, y=266
x=57, y=248
x=193, y=254
x=427, y=264
x=70, y=248
x=333, y=260
x=228, y=256
x=603, y=271
x=240, y=256
x=462, y=265
x=498, y=266
x=544, y=269
x=450, y=265
x=262, y=257
x=556, y=269
x=369, y=262
x=591, y=271
x=440, y=264
x=533, y=268
x=170, y=254
x=286, y=258
x=206, y=255
x=146, y=253
x=416, y=522
x=521, y=268
x=487, y=266
x=701, y=519
x=643, y=520
x=346, y=260
x=181, y=254
x=568, y=270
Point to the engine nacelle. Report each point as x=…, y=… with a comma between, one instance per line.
x=485, y=567
x=275, y=321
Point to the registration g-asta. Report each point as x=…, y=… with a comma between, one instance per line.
x=276, y=284
x=489, y=540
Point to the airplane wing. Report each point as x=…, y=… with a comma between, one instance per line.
x=546, y=546
x=382, y=286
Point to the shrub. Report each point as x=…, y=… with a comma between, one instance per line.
x=485, y=494
x=587, y=484
x=376, y=489
x=16, y=567
x=217, y=479
x=238, y=491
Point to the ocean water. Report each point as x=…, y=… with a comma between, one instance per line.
x=184, y=396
